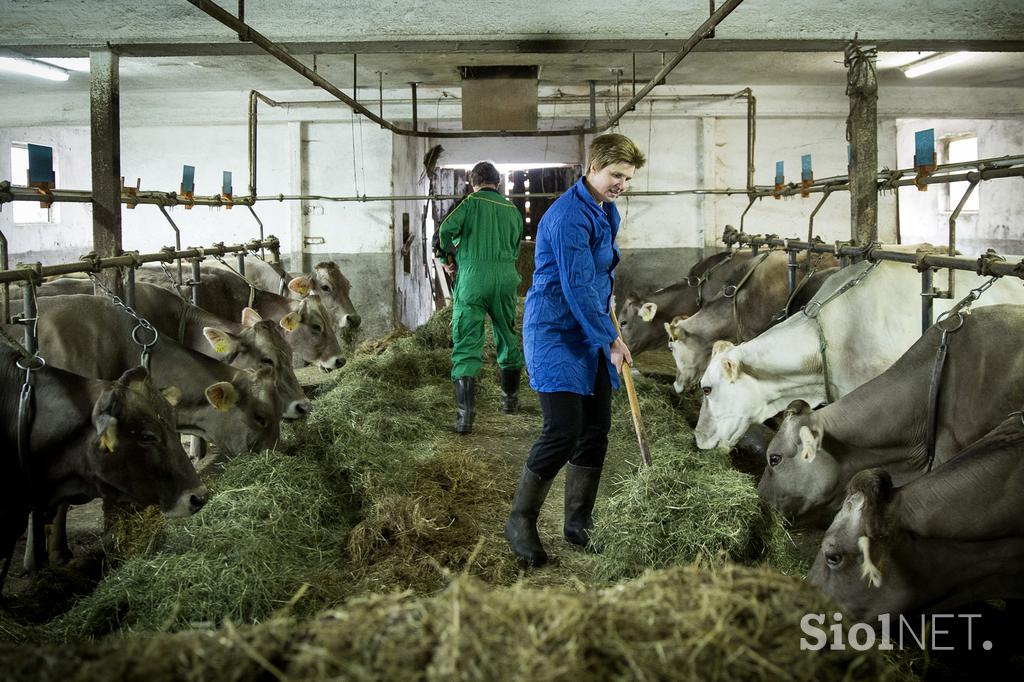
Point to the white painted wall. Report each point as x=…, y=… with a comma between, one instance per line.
x=999, y=221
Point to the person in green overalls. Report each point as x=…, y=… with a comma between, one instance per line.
x=485, y=231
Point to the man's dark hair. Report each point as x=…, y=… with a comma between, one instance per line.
x=484, y=173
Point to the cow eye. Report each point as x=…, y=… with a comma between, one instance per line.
x=148, y=438
x=261, y=421
x=833, y=559
x=267, y=361
x=324, y=287
x=706, y=389
x=774, y=460
x=316, y=328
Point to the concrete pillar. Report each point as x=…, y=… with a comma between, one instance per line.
x=296, y=209
x=862, y=133
x=105, y=124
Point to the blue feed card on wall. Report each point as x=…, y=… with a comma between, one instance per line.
x=225, y=188
x=188, y=179
x=924, y=147
x=40, y=164
x=779, y=176
x=805, y=167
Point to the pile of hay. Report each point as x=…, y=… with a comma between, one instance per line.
x=688, y=505
x=692, y=623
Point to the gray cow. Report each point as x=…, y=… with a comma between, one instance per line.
x=253, y=344
x=883, y=423
x=946, y=539
x=326, y=280
x=310, y=325
x=643, y=317
x=238, y=410
x=88, y=439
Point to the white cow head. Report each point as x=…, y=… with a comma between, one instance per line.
x=689, y=351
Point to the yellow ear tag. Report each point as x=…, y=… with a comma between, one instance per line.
x=221, y=347
x=109, y=439
x=303, y=289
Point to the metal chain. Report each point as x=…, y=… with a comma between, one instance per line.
x=175, y=285
x=814, y=307
x=252, y=287
x=142, y=324
x=963, y=306
x=1019, y=413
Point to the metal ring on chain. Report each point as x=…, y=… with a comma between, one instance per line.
x=1019, y=413
x=812, y=309
x=950, y=330
x=147, y=327
x=37, y=362
x=729, y=291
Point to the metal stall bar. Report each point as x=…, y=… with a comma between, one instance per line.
x=177, y=242
x=28, y=273
x=282, y=55
x=983, y=265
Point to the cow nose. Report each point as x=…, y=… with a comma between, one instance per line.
x=197, y=501
x=300, y=409
x=354, y=321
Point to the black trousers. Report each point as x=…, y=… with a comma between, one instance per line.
x=575, y=428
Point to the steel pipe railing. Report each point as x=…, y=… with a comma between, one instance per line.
x=261, y=41
x=36, y=271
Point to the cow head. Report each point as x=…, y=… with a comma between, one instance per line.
x=800, y=478
x=733, y=399
x=137, y=455
x=689, y=351
x=855, y=565
x=311, y=334
x=328, y=282
x=636, y=320
x=261, y=343
x=246, y=412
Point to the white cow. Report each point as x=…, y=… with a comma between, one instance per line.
x=864, y=328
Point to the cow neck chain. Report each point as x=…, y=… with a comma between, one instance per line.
x=960, y=310
x=252, y=287
x=142, y=325
x=700, y=281
x=812, y=311
x=732, y=290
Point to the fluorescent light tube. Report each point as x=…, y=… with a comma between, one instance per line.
x=31, y=67
x=939, y=61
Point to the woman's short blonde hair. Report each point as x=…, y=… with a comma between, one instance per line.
x=614, y=148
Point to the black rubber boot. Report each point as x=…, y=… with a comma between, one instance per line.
x=465, y=404
x=521, y=527
x=580, y=492
x=509, y=390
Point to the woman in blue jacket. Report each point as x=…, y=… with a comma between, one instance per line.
x=573, y=352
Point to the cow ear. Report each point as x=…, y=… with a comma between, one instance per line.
x=290, y=322
x=810, y=441
x=648, y=311
x=720, y=346
x=797, y=407
x=106, y=429
x=222, y=395
x=172, y=394
x=221, y=341
x=731, y=369
x=250, y=317
x=869, y=570
x=133, y=377
x=301, y=285
x=668, y=330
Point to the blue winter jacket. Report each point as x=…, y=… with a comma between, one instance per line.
x=567, y=326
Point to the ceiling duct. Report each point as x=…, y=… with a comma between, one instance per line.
x=499, y=97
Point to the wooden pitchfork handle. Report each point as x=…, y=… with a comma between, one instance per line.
x=634, y=404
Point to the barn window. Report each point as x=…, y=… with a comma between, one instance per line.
x=27, y=211
x=960, y=148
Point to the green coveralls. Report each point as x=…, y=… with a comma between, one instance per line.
x=486, y=228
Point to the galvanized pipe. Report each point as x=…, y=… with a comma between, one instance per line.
x=221, y=15
x=927, y=298
x=23, y=274
x=415, y=121
x=29, y=314
x=129, y=286
x=5, y=264
x=951, y=292
x=177, y=242
x=810, y=221
x=791, y=272
x=241, y=264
